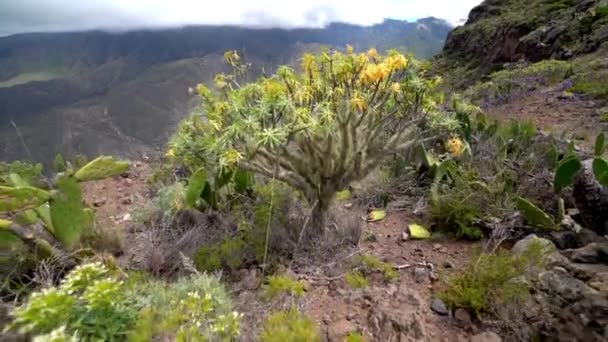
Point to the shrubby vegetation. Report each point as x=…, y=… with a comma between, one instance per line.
x=289, y=326
x=491, y=279
x=94, y=303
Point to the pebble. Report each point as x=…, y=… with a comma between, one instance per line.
x=420, y=274
x=439, y=307
x=462, y=317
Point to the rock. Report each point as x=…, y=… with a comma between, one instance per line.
x=593, y=253
x=522, y=245
x=462, y=317
x=127, y=201
x=586, y=271
x=252, y=280
x=421, y=274
x=443, y=250
x=486, y=336
x=339, y=329
x=599, y=282
x=306, y=285
x=587, y=236
x=405, y=236
x=591, y=199
x=568, y=223
x=565, y=286
x=565, y=239
x=439, y=307
x=436, y=246
x=98, y=203
x=448, y=264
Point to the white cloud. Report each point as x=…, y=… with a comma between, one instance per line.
x=61, y=15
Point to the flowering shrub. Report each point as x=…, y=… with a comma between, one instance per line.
x=318, y=130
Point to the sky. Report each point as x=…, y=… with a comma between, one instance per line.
x=18, y=16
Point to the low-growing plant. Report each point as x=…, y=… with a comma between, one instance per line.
x=229, y=253
x=289, y=326
x=369, y=263
x=356, y=279
x=280, y=284
x=354, y=337
x=489, y=280
x=89, y=302
x=94, y=303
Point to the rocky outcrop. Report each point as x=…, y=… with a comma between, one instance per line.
x=506, y=31
x=570, y=301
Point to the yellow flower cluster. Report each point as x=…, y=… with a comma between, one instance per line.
x=374, y=73
x=372, y=53
x=231, y=157
x=455, y=146
x=396, y=87
x=349, y=49
x=396, y=62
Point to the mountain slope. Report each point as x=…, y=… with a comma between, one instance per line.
x=508, y=31
x=94, y=92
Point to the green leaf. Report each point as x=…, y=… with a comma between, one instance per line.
x=343, y=195
x=67, y=212
x=43, y=211
x=100, y=168
x=565, y=172
x=600, y=171
x=209, y=196
x=376, y=215
x=242, y=181
x=534, y=215
x=5, y=224
x=599, y=145
x=21, y=198
x=427, y=158
x=223, y=177
x=195, y=187
x=418, y=232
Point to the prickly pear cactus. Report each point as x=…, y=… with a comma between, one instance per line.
x=21, y=198
x=67, y=212
x=42, y=212
x=195, y=187
x=101, y=167
x=4, y=224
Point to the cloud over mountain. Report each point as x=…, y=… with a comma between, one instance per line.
x=18, y=16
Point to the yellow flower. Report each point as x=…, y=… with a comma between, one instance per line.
x=349, y=49
x=374, y=73
x=308, y=62
x=396, y=62
x=231, y=157
x=396, y=87
x=170, y=153
x=358, y=103
x=372, y=53
x=455, y=146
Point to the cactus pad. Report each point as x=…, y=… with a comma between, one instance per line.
x=67, y=212
x=101, y=167
x=21, y=198
x=195, y=187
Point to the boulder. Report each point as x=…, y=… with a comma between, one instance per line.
x=486, y=336
x=523, y=245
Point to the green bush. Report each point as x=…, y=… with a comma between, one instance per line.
x=356, y=280
x=289, y=326
x=89, y=302
x=278, y=285
x=230, y=253
x=369, y=263
x=489, y=280
x=94, y=303
x=30, y=173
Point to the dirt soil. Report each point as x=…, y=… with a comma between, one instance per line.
x=553, y=110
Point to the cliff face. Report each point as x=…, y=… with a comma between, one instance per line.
x=506, y=31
